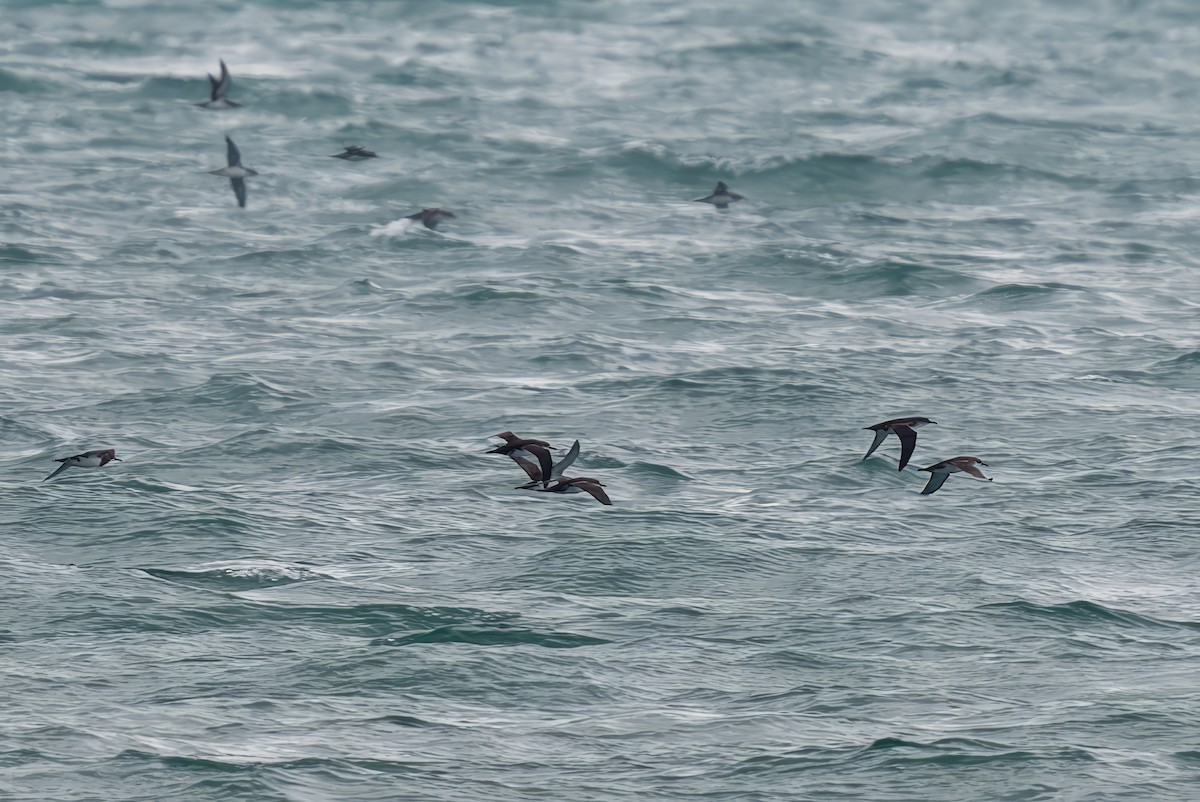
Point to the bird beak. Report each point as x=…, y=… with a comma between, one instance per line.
x=117, y=459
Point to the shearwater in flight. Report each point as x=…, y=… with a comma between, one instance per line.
x=235, y=172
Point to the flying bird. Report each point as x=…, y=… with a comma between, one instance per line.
x=88, y=459
x=235, y=172
x=581, y=484
x=535, y=473
x=905, y=429
x=430, y=217
x=356, y=153
x=219, y=89
x=939, y=473
x=721, y=197
x=538, y=449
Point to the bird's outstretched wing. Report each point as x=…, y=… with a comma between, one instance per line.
x=565, y=462
x=221, y=88
x=596, y=491
x=880, y=436
x=545, y=461
x=239, y=189
x=232, y=154
x=908, y=442
x=60, y=468
x=971, y=469
x=936, y=480
x=532, y=471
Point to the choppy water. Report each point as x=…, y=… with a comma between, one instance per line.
x=307, y=582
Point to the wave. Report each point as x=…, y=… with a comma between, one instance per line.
x=1068, y=615
x=1024, y=291
x=22, y=85
x=238, y=576
x=1015, y=296
x=493, y=637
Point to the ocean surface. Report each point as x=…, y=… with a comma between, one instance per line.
x=308, y=581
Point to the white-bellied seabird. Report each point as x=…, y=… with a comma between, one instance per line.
x=235, y=172
x=939, y=472
x=88, y=459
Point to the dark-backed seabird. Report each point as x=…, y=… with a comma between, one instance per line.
x=535, y=473
x=538, y=449
x=88, y=459
x=721, y=197
x=356, y=153
x=903, y=428
x=235, y=172
x=939, y=472
x=219, y=90
x=430, y=217
x=580, y=484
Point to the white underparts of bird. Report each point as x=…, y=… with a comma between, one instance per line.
x=88, y=459
x=235, y=172
x=941, y=471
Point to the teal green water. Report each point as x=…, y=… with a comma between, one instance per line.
x=308, y=582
